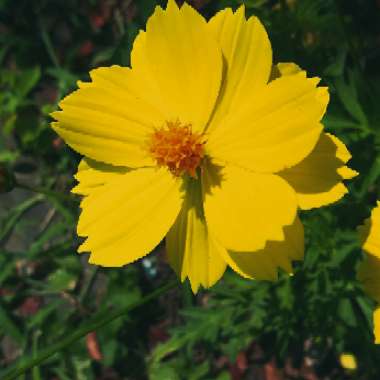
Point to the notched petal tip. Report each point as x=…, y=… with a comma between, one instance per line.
x=195, y=286
x=318, y=179
x=77, y=189
x=347, y=173
x=55, y=115
x=172, y=5
x=265, y=264
x=84, y=248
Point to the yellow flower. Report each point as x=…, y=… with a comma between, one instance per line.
x=204, y=142
x=369, y=269
x=348, y=361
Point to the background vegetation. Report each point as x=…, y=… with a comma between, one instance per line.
x=296, y=328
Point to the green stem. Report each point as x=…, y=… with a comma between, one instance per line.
x=188, y=296
x=343, y=26
x=47, y=193
x=47, y=42
x=88, y=284
x=86, y=328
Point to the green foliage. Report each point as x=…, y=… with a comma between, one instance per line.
x=47, y=290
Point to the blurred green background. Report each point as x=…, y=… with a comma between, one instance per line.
x=296, y=328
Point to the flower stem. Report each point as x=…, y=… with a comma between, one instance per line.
x=28, y=363
x=88, y=284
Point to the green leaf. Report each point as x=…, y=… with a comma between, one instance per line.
x=9, y=124
x=199, y=371
x=7, y=268
x=348, y=95
x=366, y=307
x=372, y=176
x=168, y=347
x=43, y=314
x=27, y=80
x=336, y=68
x=55, y=230
x=36, y=373
x=337, y=122
x=346, y=312
x=223, y=376
x=9, y=327
x=122, y=53
x=66, y=79
x=60, y=280
x=9, y=156
x=338, y=257
x=158, y=372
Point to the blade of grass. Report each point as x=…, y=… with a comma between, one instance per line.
x=9, y=222
x=28, y=363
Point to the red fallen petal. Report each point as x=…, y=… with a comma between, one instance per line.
x=57, y=143
x=158, y=334
x=241, y=361
x=97, y=21
x=93, y=346
x=30, y=306
x=272, y=372
x=86, y=48
x=240, y=366
x=235, y=372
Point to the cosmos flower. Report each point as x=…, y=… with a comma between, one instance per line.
x=203, y=140
x=369, y=269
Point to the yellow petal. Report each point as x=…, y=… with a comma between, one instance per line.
x=244, y=210
x=376, y=323
x=277, y=130
x=191, y=251
x=288, y=68
x=347, y=173
x=106, y=121
x=126, y=217
x=369, y=276
x=247, y=55
x=92, y=174
x=317, y=179
x=370, y=233
x=142, y=80
x=264, y=264
x=284, y=68
x=181, y=56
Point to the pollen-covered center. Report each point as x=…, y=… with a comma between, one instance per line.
x=178, y=148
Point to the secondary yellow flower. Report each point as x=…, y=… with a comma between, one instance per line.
x=205, y=142
x=369, y=269
x=348, y=361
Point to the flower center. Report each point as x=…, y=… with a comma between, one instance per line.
x=178, y=148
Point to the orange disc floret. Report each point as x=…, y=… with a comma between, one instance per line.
x=178, y=148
